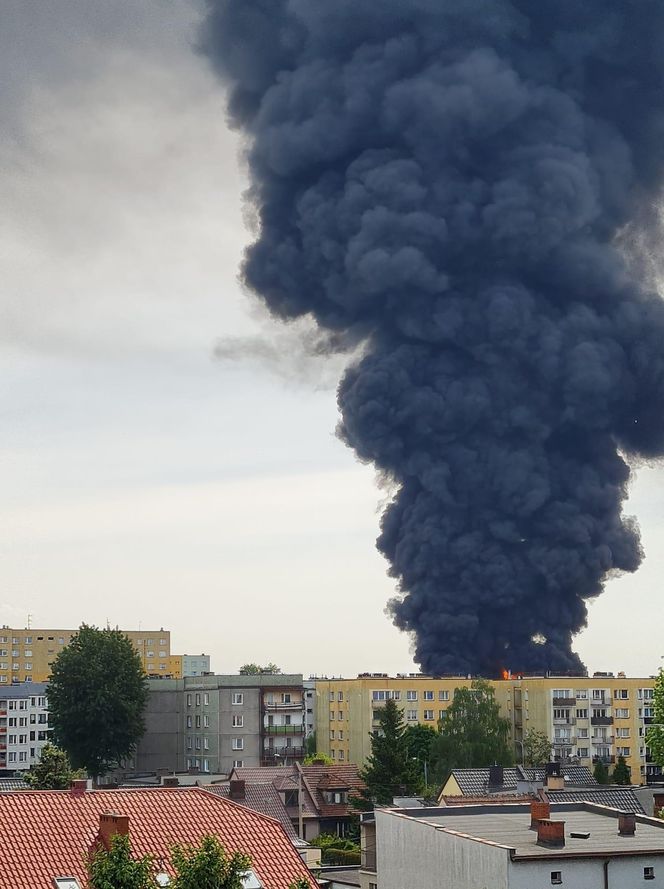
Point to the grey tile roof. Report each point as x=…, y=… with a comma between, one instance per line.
x=262, y=798
x=580, y=775
x=475, y=782
x=622, y=798
x=10, y=784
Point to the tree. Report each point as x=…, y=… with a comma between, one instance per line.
x=473, y=734
x=256, y=670
x=318, y=759
x=389, y=770
x=536, y=748
x=52, y=772
x=117, y=869
x=419, y=739
x=208, y=866
x=300, y=884
x=655, y=732
x=601, y=773
x=621, y=773
x=337, y=850
x=97, y=695
x=310, y=744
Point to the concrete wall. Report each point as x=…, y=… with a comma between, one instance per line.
x=624, y=873
x=161, y=747
x=413, y=855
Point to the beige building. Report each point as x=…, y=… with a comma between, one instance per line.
x=586, y=718
x=26, y=655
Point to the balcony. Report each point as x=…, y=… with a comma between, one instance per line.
x=564, y=702
x=648, y=720
x=601, y=720
x=607, y=760
x=564, y=742
x=297, y=729
x=601, y=741
x=286, y=756
x=281, y=705
x=570, y=720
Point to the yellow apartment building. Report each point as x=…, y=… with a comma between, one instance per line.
x=26, y=655
x=586, y=718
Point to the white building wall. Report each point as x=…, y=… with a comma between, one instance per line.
x=624, y=873
x=413, y=855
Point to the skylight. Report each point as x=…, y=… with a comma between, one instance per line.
x=251, y=881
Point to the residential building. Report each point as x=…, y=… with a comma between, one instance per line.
x=511, y=846
x=195, y=665
x=217, y=723
x=24, y=727
x=586, y=718
x=47, y=833
x=26, y=655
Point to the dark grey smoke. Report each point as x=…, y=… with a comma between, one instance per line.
x=447, y=179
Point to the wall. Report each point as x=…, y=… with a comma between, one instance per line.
x=161, y=747
x=414, y=855
x=624, y=873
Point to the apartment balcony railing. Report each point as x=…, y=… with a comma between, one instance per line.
x=600, y=702
x=3, y=713
x=607, y=760
x=284, y=729
x=601, y=720
x=282, y=756
x=601, y=741
x=3, y=746
x=283, y=705
x=648, y=720
x=570, y=720
x=564, y=742
x=3, y=730
x=564, y=702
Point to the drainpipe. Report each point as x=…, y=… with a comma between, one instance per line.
x=606, y=873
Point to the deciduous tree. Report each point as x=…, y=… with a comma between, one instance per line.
x=52, y=772
x=389, y=770
x=97, y=695
x=208, y=866
x=473, y=734
x=256, y=669
x=655, y=732
x=536, y=748
x=116, y=868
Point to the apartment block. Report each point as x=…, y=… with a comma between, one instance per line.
x=217, y=723
x=587, y=718
x=26, y=655
x=24, y=727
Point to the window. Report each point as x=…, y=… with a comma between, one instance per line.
x=621, y=694
x=581, y=694
x=237, y=698
x=556, y=877
x=442, y=714
x=206, y=699
x=582, y=752
x=332, y=715
x=198, y=722
x=198, y=743
x=28, y=666
x=28, y=640
x=163, y=642
x=648, y=872
x=624, y=751
x=341, y=735
x=622, y=733
x=582, y=713
x=561, y=693
x=206, y=765
x=411, y=695
x=428, y=714
x=285, y=698
x=238, y=763
x=428, y=696
x=332, y=734
x=198, y=700
x=150, y=654
x=162, y=654
x=340, y=696
x=238, y=720
x=340, y=714
x=3, y=678
x=206, y=721
x=341, y=754
x=189, y=722
x=648, y=694
x=331, y=696
x=27, y=653
x=411, y=715
x=582, y=732
x=561, y=714
x=598, y=694
x=190, y=743
x=237, y=743
x=206, y=743
x=149, y=642
x=622, y=713
x=443, y=695
x=11, y=757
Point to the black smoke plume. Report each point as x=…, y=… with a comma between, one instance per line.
x=454, y=183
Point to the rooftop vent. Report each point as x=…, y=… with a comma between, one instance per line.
x=580, y=834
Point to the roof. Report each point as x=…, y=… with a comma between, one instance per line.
x=475, y=782
x=263, y=798
x=622, y=798
x=347, y=877
x=509, y=826
x=46, y=833
x=580, y=775
x=23, y=690
x=320, y=778
x=8, y=784
x=282, y=778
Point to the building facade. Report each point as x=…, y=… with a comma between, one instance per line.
x=586, y=718
x=24, y=727
x=26, y=655
x=217, y=723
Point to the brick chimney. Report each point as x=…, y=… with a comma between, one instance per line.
x=627, y=824
x=170, y=781
x=658, y=801
x=539, y=809
x=110, y=824
x=237, y=789
x=550, y=834
x=555, y=782
x=78, y=786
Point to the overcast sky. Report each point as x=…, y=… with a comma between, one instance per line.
x=147, y=482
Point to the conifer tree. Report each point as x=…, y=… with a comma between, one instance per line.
x=621, y=773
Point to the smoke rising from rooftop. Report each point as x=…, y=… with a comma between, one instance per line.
x=447, y=183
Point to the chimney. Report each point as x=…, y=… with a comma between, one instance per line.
x=555, y=782
x=496, y=776
x=658, y=802
x=110, y=824
x=170, y=781
x=552, y=768
x=550, y=834
x=539, y=809
x=237, y=789
x=627, y=824
x=78, y=786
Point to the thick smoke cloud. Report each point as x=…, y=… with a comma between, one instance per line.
x=448, y=183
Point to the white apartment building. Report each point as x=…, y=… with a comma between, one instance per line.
x=24, y=728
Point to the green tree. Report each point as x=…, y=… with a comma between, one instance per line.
x=118, y=869
x=655, y=732
x=52, y=772
x=601, y=773
x=300, y=884
x=389, y=770
x=536, y=748
x=473, y=734
x=97, y=695
x=208, y=866
x=310, y=744
x=337, y=850
x=419, y=739
x=256, y=669
x=621, y=773
x=318, y=759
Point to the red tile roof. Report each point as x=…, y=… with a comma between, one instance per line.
x=319, y=778
x=45, y=834
x=263, y=798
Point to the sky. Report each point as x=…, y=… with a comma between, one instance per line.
x=169, y=457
